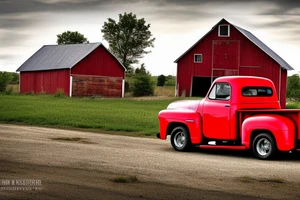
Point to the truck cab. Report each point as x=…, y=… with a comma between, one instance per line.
x=238, y=112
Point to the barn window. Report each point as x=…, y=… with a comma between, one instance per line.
x=198, y=58
x=224, y=30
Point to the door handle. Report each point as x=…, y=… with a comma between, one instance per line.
x=227, y=105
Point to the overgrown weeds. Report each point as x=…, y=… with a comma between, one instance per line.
x=59, y=93
x=8, y=91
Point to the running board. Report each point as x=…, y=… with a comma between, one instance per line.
x=222, y=147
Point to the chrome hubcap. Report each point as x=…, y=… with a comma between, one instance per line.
x=263, y=147
x=179, y=139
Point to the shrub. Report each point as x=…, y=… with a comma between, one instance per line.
x=127, y=86
x=9, y=91
x=161, y=80
x=293, y=87
x=170, y=81
x=15, y=79
x=59, y=93
x=142, y=85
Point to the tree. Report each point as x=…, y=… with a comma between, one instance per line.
x=170, y=80
x=141, y=70
x=71, y=38
x=161, y=80
x=128, y=38
x=293, y=87
x=15, y=79
x=5, y=78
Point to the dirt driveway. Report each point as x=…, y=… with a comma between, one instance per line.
x=43, y=163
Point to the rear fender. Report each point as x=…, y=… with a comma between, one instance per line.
x=191, y=120
x=281, y=127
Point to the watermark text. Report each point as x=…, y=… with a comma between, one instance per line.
x=20, y=184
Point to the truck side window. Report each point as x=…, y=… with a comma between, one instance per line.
x=220, y=91
x=212, y=94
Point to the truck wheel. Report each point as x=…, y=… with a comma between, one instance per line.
x=180, y=139
x=264, y=146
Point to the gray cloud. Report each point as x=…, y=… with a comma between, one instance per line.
x=20, y=6
x=15, y=14
x=6, y=57
x=14, y=30
x=280, y=23
x=284, y=4
x=15, y=6
x=284, y=7
x=6, y=60
x=179, y=9
x=15, y=22
x=19, y=18
x=12, y=38
x=293, y=35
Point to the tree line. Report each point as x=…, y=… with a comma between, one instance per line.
x=8, y=78
x=293, y=87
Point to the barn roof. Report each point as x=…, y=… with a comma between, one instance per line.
x=255, y=41
x=52, y=57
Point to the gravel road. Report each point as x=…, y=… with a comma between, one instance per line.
x=46, y=165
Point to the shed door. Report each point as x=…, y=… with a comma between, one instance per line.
x=225, y=58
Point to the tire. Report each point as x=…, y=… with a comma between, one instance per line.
x=180, y=139
x=264, y=146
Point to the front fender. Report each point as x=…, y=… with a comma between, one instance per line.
x=282, y=128
x=190, y=119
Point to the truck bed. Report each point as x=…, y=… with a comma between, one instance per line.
x=293, y=114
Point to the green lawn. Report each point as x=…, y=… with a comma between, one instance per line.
x=293, y=105
x=125, y=116
x=129, y=116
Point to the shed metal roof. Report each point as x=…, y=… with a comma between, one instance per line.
x=53, y=57
x=253, y=39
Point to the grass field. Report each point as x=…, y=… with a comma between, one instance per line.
x=132, y=116
x=129, y=116
x=293, y=105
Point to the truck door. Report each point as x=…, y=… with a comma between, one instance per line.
x=216, y=112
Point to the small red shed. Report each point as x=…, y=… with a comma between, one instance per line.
x=76, y=69
x=224, y=51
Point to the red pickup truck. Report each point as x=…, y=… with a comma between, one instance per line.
x=238, y=112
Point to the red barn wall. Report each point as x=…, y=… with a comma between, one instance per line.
x=99, y=63
x=45, y=81
x=251, y=61
x=98, y=74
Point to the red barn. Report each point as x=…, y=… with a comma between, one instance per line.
x=224, y=51
x=75, y=69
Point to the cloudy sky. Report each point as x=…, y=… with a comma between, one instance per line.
x=27, y=25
